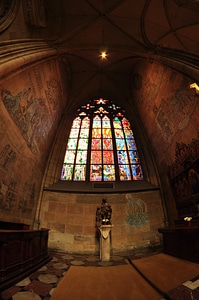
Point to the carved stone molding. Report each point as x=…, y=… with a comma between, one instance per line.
x=35, y=13
x=8, y=12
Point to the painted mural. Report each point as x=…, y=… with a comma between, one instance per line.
x=164, y=95
x=174, y=114
x=31, y=105
x=184, y=176
x=33, y=115
x=136, y=212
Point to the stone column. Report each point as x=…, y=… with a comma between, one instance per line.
x=105, y=242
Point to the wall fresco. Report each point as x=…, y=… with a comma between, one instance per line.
x=33, y=116
x=174, y=114
x=13, y=198
x=31, y=105
x=184, y=177
x=164, y=99
x=136, y=212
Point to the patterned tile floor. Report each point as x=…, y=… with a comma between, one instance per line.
x=41, y=284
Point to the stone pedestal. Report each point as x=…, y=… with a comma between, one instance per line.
x=105, y=242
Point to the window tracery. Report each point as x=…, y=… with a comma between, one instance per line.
x=101, y=145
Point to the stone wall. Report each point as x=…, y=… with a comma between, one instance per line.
x=71, y=219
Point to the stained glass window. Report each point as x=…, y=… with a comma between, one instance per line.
x=101, y=145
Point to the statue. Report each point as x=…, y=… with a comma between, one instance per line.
x=103, y=214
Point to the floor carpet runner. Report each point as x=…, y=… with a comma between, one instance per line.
x=121, y=282
x=166, y=272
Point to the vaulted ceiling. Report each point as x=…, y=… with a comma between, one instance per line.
x=127, y=30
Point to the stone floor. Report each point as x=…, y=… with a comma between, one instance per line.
x=41, y=284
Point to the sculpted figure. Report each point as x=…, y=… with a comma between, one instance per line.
x=103, y=213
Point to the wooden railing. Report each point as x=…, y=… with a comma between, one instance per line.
x=182, y=241
x=21, y=253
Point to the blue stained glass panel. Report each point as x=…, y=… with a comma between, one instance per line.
x=133, y=157
x=137, y=172
x=122, y=157
x=124, y=172
x=109, y=172
x=120, y=144
x=131, y=144
x=128, y=134
x=67, y=172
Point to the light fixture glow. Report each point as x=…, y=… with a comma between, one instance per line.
x=103, y=54
x=194, y=86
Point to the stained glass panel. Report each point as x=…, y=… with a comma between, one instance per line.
x=96, y=144
x=122, y=157
x=119, y=134
x=97, y=122
x=84, y=133
x=131, y=144
x=76, y=123
x=137, y=172
x=107, y=144
x=83, y=144
x=67, y=172
x=109, y=172
x=100, y=129
x=69, y=156
x=96, y=173
x=81, y=157
x=106, y=122
x=124, y=172
x=120, y=144
x=72, y=144
x=96, y=157
x=80, y=173
x=96, y=133
x=126, y=124
x=117, y=123
x=108, y=157
x=74, y=133
x=86, y=123
x=107, y=133
x=128, y=134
